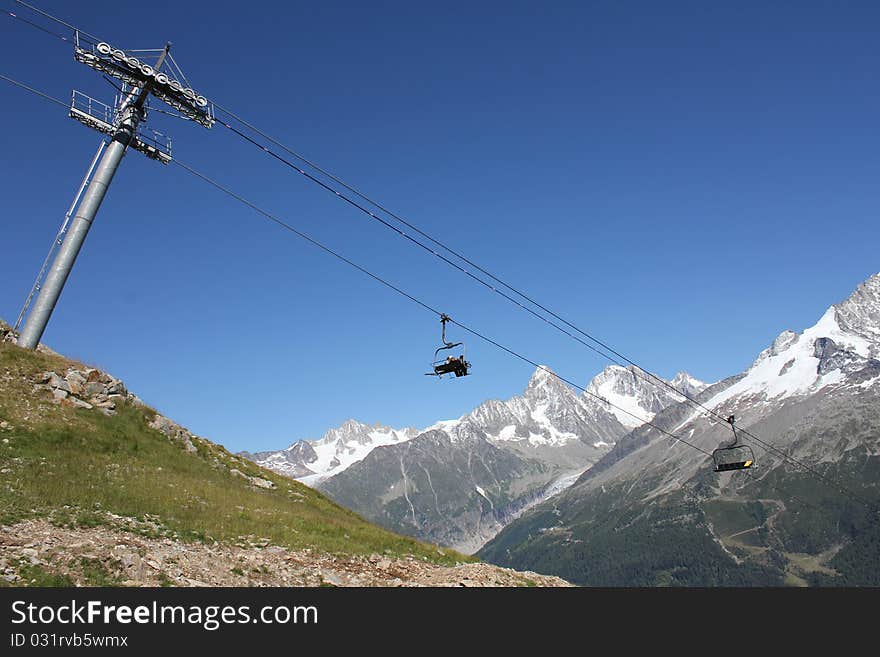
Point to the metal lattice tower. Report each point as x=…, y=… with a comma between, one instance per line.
x=121, y=123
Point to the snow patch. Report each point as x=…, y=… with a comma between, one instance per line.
x=551, y=435
x=507, y=433
x=624, y=407
x=334, y=456
x=483, y=493
x=869, y=382
x=779, y=373
x=443, y=425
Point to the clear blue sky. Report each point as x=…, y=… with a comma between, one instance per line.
x=684, y=180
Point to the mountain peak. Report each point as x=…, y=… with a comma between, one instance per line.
x=614, y=376
x=633, y=395
x=839, y=346
x=545, y=379
x=687, y=384
x=859, y=314
x=542, y=373
x=351, y=429
x=782, y=342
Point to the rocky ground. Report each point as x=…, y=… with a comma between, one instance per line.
x=118, y=556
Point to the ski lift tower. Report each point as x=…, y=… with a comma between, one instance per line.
x=162, y=79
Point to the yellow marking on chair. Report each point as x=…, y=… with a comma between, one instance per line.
x=747, y=464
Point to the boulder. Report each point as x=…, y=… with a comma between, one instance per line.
x=79, y=403
x=116, y=387
x=56, y=382
x=76, y=382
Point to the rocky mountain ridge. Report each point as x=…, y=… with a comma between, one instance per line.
x=458, y=482
x=549, y=417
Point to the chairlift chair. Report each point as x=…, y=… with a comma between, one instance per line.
x=456, y=365
x=734, y=456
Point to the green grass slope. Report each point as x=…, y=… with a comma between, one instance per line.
x=79, y=466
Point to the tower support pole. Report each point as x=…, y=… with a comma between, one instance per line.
x=79, y=228
x=131, y=112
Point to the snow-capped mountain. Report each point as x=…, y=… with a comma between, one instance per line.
x=685, y=383
x=634, y=397
x=549, y=416
x=314, y=461
x=812, y=399
x=549, y=421
x=836, y=351
x=511, y=454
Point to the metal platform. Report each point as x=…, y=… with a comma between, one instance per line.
x=100, y=116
